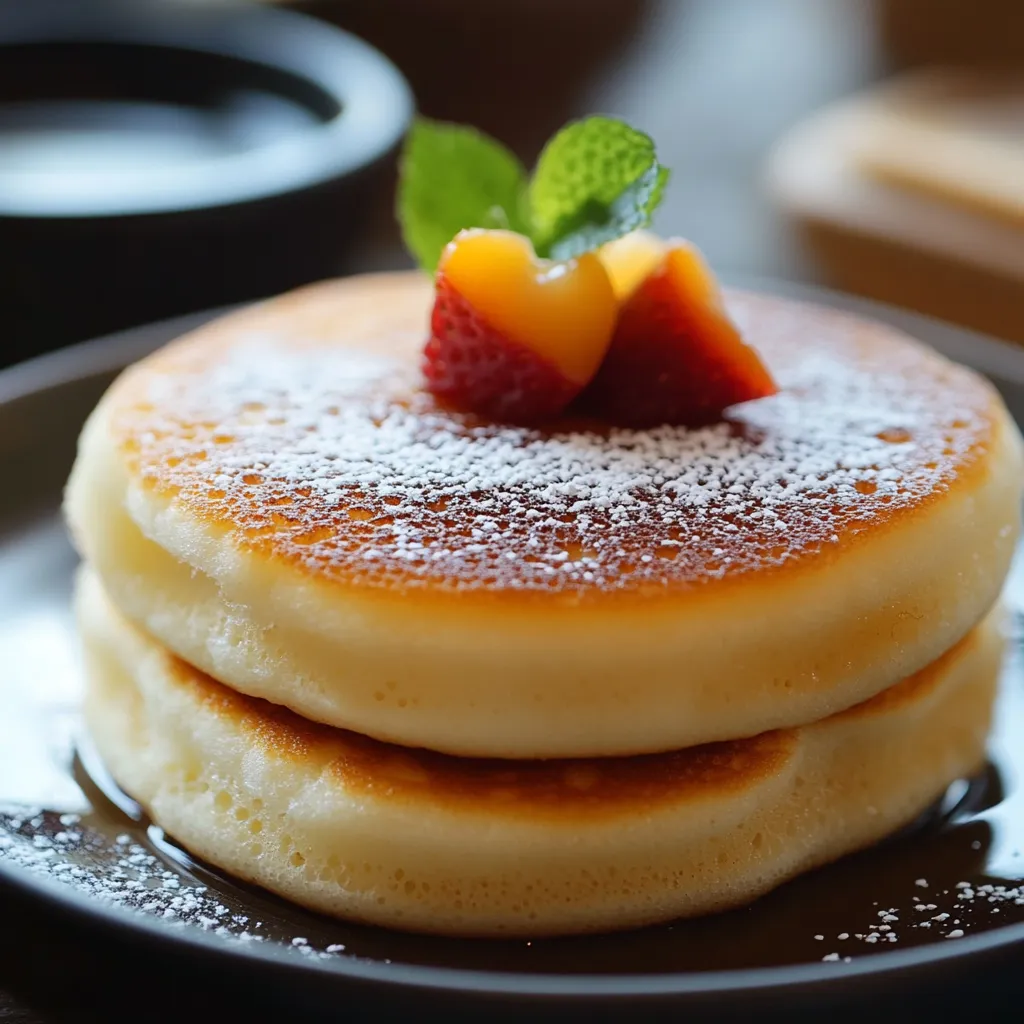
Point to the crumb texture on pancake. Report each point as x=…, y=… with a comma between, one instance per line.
x=418, y=841
x=321, y=446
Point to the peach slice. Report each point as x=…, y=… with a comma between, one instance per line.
x=676, y=356
x=513, y=336
x=630, y=259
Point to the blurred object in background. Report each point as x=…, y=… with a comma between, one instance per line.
x=958, y=136
x=516, y=69
x=913, y=194
x=961, y=32
x=714, y=82
x=158, y=158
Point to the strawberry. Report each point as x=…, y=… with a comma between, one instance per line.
x=514, y=337
x=472, y=365
x=676, y=356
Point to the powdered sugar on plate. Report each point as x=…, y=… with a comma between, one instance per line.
x=118, y=871
x=956, y=909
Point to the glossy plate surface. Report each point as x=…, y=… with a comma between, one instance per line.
x=943, y=900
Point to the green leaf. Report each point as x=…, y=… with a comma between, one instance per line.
x=450, y=178
x=593, y=227
x=596, y=180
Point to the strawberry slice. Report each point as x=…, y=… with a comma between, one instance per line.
x=513, y=337
x=676, y=356
x=473, y=365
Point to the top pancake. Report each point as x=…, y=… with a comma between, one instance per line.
x=303, y=428
x=279, y=502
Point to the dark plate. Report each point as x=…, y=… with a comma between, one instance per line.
x=75, y=845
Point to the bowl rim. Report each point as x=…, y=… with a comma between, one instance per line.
x=375, y=105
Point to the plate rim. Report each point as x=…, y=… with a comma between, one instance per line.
x=112, y=352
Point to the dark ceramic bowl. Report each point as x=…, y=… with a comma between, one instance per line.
x=158, y=158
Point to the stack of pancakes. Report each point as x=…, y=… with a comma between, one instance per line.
x=416, y=669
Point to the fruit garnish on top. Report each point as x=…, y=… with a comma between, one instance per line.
x=549, y=292
x=675, y=356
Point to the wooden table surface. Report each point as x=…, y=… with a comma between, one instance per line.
x=715, y=81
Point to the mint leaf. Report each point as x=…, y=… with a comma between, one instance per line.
x=450, y=178
x=594, y=225
x=596, y=180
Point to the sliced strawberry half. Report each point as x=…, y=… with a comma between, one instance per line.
x=676, y=356
x=514, y=337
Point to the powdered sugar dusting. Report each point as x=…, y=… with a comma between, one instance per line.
x=959, y=908
x=333, y=455
x=118, y=871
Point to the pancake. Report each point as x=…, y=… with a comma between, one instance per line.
x=421, y=841
x=277, y=500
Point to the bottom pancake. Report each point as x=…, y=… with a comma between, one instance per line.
x=428, y=842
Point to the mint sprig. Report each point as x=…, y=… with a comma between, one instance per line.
x=596, y=180
x=452, y=178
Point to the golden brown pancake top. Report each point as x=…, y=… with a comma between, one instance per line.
x=301, y=428
x=563, y=789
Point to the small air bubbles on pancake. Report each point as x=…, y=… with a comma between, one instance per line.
x=316, y=536
x=866, y=422
x=577, y=552
x=896, y=435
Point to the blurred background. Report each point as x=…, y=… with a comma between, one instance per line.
x=163, y=156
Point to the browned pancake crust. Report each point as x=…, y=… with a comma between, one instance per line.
x=253, y=426
x=590, y=788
